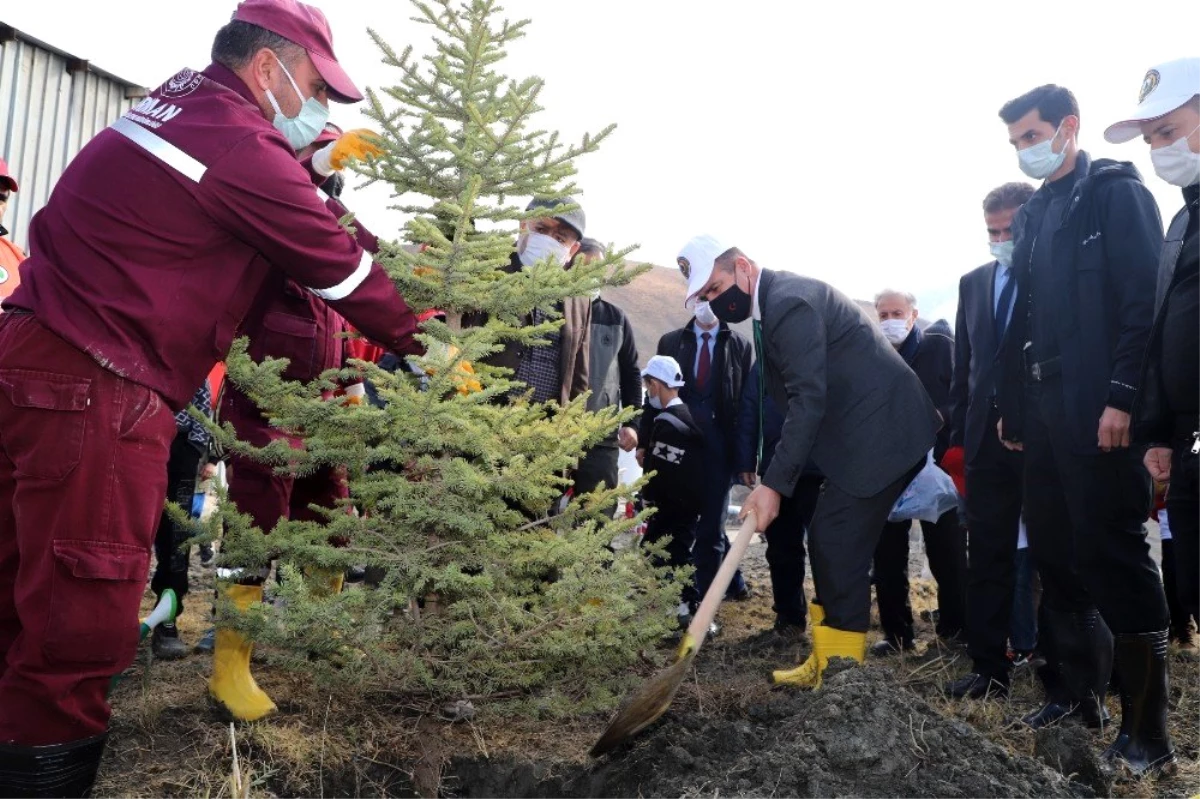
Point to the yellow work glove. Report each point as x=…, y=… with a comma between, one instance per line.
x=464, y=382
x=358, y=144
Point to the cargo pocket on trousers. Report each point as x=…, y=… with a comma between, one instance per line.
x=44, y=437
x=97, y=590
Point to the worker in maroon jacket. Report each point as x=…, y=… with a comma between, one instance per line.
x=152, y=247
x=285, y=321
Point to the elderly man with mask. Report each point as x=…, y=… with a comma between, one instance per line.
x=557, y=371
x=716, y=362
x=1166, y=410
x=929, y=353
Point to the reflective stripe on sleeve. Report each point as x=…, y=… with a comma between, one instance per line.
x=161, y=149
x=343, y=289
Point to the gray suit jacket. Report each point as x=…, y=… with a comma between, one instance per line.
x=850, y=400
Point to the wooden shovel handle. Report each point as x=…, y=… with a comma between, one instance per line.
x=698, y=630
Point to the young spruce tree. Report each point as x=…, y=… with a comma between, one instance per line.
x=484, y=594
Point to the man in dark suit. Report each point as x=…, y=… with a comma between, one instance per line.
x=850, y=403
x=715, y=362
x=993, y=497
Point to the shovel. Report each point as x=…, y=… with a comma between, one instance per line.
x=643, y=708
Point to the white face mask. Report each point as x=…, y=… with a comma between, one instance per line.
x=894, y=330
x=1176, y=163
x=1002, y=251
x=704, y=314
x=655, y=403
x=534, y=247
x=1040, y=161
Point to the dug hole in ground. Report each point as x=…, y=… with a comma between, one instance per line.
x=879, y=730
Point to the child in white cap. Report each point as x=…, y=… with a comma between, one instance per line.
x=675, y=453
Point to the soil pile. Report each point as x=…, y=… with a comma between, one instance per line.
x=861, y=734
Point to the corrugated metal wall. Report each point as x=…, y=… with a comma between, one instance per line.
x=51, y=104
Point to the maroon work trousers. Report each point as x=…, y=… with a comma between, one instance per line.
x=262, y=493
x=83, y=455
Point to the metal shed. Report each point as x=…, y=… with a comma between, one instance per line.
x=51, y=104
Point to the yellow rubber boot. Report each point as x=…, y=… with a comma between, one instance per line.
x=805, y=675
x=325, y=582
x=231, y=683
x=831, y=642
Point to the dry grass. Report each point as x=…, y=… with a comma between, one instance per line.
x=168, y=740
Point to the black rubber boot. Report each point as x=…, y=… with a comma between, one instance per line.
x=1143, y=744
x=57, y=770
x=166, y=644
x=1079, y=661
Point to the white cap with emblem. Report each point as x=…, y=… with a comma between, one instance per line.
x=696, y=261
x=666, y=369
x=1165, y=88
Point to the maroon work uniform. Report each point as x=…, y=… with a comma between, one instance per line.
x=287, y=322
x=152, y=247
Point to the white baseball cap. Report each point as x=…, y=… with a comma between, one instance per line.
x=696, y=261
x=666, y=369
x=1165, y=88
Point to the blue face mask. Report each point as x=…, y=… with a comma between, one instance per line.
x=302, y=129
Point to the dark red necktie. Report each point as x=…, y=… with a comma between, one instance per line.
x=705, y=361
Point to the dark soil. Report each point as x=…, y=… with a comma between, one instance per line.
x=861, y=735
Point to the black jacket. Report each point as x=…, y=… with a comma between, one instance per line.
x=930, y=353
x=1153, y=422
x=732, y=356
x=1105, y=253
x=675, y=452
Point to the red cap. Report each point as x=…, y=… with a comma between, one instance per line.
x=306, y=26
x=330, y=132
x=6, y=178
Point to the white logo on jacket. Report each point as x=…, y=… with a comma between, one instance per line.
x=182, y=83
x=668, y=453
x=153, y=112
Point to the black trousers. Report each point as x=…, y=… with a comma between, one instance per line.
x=712, y=543
x=680, y=525
x=1180, y=618
x=995, y=480
x=1183, y=515
x=841, y=542
x=598, y=467
x=171, y=570
x=946, y=548
x=785, y=550
x=1085, y=515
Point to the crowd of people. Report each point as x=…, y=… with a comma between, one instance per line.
x=1065, y=393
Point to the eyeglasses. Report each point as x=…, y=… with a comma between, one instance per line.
x=4, y=197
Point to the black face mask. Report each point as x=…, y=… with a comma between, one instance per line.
x=732, y=305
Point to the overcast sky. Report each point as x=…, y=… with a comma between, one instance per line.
x=852, y=142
